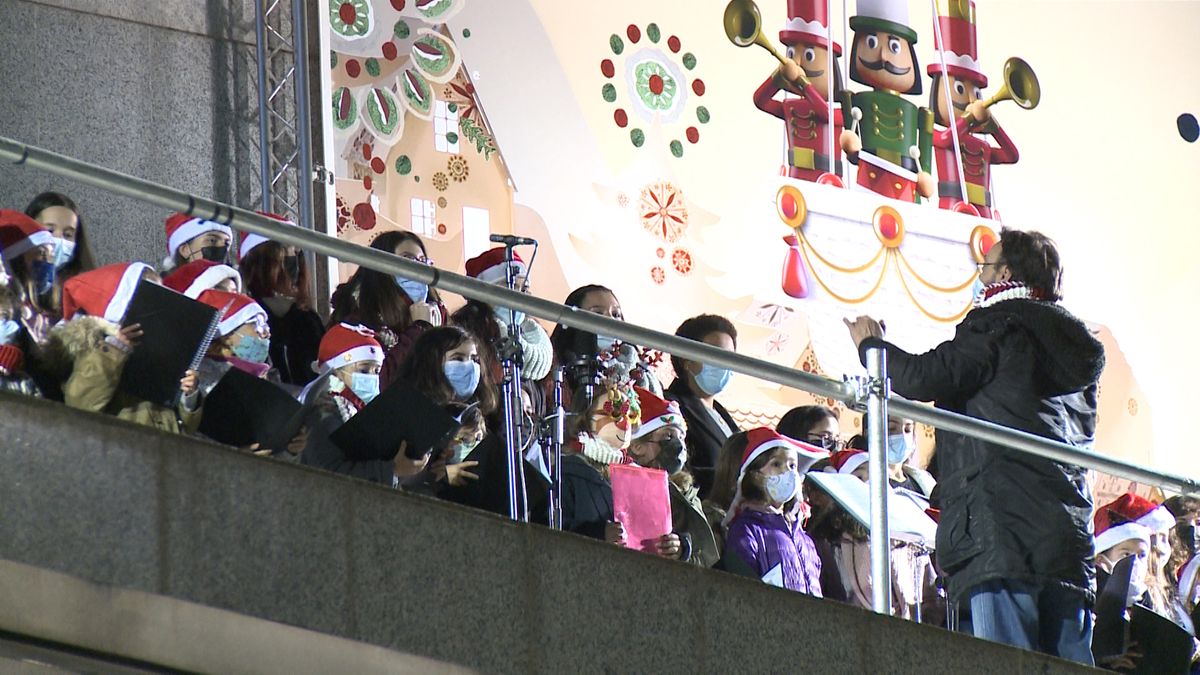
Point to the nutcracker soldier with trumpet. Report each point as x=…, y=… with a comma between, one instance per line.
x=964, y=156
x=807, y=74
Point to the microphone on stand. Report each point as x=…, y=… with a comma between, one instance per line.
x=510, y=240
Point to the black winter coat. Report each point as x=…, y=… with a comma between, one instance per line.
x=587, y=502
x=1005, y=514
x=704, y=438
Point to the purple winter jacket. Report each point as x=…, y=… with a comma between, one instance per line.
x=758, y=543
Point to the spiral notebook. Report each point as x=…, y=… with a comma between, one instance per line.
x=177, y=333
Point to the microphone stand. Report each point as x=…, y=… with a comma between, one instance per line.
x=509, y=353
x=555, y=447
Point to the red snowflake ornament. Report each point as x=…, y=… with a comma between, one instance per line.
x=663, y=211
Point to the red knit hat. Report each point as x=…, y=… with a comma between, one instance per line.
x=103, y=292
x=20, y=233
x=238, y=310
x=347, y=343
x=765, y=439
x=657, y=413
x=198, y=276
x=250, y=240
x=1120, y=521
x=847, y=461
x=489, y=265
x=182, y=228
x=11, y=359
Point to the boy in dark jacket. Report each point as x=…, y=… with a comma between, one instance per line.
x=1013, y=539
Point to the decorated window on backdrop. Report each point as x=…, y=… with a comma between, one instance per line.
x=424, y=216
x=445, y=128
x=476, y=225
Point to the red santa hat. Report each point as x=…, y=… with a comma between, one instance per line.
x=250, y=240
x=182, y=228
x=11, y=359
x=1154, y=517
x=103, y=292
x=657, y=413
x=346, y=343
x=198, y=276
x=1117, y=522
x=489, y=265
x=808, y=23
x=19, y=233
x=847, y=461
x=956, y=19
x=238, y=310
x=762, y=440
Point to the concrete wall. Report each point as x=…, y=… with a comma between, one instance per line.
x=115, y=504
x=163, y=90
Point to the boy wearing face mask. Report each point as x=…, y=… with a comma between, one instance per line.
x=658, y=444
x=12, y=357
x=695, y=389
x=350, y=360
x=765, y=539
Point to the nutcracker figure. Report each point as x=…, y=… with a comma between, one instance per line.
x=806, y=80
x=893, y=145
x=964, y=187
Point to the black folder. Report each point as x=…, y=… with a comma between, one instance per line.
x=242, y=410
x=401, y=414
x=177, y=333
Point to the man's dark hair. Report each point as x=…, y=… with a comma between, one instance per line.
x=1033, y=260
x=699, y=327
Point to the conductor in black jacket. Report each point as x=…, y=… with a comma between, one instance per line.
x=1014, y=537
x=695, y=389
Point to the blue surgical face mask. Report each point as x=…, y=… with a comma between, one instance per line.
x=463, y=377
x=605, y=343
x=64, y=251
x=365, y=385
x=415, y=290
x=460, y=450
x=713, y=380
x=502, y=314
x=252, y=348
x=899, y=448
x=977, y=290
x=8, y=331
x=43, y=276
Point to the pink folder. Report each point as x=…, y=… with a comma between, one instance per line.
x=641, y=504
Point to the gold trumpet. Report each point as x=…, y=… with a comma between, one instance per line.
x=1020, y=84
x=743, y=27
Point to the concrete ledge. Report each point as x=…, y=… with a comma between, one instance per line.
x=125, y=506
x=176, y=634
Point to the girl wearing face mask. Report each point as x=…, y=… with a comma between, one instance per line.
x=12, y=356
x=242, y=342
x=765, y=539
x=616, y=360
x=277, y=277
x=28, y=251
x=444, y=365
x=192, y=238
x=695, y=388
x=72, y=253
x=90, y=349
x=490, y=323
x=658, y=444
x=399, y=310
x=350, y=359
x=909, y=480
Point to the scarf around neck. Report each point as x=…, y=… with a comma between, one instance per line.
x=1006, y=290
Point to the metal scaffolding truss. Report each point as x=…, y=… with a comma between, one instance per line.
x=285, y=155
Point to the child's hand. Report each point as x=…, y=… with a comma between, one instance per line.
x=669, y=546
x=190, y=382
x=130, y=335
x=614, y=533
x=404, y=467
x=457, y=475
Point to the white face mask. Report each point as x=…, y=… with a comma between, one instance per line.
x=782, y=486
x=1137, y=580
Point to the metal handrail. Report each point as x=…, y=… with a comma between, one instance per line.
x=242, y=219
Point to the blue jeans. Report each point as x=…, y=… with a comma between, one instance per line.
x=1049, y=619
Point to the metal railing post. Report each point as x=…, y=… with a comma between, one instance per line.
x=304, y=131
x=876, y=432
